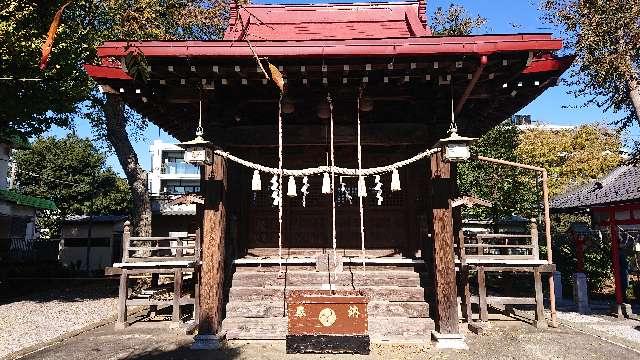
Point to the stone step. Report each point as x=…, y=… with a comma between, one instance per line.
x=346, y=278
x=278, y=293
x=403, y=329
x=258, y=309
x=400, y=329
x=240, y=328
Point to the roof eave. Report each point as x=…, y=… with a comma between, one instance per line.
x=481, y=45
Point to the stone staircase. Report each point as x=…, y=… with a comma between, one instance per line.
x=256, y=309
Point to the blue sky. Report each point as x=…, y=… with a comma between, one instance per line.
x=555, y=106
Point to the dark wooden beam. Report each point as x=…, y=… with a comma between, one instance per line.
x=213, y=244
x=317, y=134
x=443, y=191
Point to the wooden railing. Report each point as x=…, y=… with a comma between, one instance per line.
x=163, y=248
x=152, y=257
x=500, y=246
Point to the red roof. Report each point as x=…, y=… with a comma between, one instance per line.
x=326, y=22
x=389, y=47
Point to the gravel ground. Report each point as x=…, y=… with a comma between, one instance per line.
x=504, y=340
x=44, y=316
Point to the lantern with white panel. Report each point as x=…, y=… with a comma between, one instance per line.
x=456, y=148
x=198, y=151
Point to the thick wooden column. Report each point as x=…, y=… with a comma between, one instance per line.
x=443, y=188
x=211, y=289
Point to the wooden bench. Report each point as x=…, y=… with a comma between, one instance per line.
x=155, y=256
x=514, y=253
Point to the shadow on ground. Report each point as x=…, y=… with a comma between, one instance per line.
x=185, y=353
x=65, y=290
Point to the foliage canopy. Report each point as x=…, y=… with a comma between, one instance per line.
x=605, y=36
x=71, y=172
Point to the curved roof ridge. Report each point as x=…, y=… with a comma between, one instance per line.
x=327, y=21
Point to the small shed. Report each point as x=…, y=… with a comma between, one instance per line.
x=613, y=203
x=91, y=242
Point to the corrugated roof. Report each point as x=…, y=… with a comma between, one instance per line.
x=26, y=200
x=620, y=185
x=326, y=22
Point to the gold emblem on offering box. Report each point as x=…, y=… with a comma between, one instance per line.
x=353, y=311
x=300, y=312
x=327, y=317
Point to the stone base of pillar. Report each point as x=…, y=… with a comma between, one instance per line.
x=627, y=311
x=207, y=342
x=449, y=341
x=581, y=293
x=616, y=310
x=557, y=286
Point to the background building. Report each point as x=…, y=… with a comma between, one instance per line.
x=169, y=179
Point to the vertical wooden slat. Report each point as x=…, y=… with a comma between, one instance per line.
x=122, y=300
x=177, y=294
x=196, y=270
x=442, y=191
x=468, y=313
x=179, y=251
x=482, y=295
x=537, y=278
x=410, y=211
x=213, y=243
x=126, y=236
x=535, y=251
x=155, y=279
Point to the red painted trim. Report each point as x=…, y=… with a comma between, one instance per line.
x=623, y=207
x=106, y=72
x=617, y=207
x=548, y=64
x=414, y=24
x=388, y=47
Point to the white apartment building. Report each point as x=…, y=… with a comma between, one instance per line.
x=169, y=178
x=170, y=175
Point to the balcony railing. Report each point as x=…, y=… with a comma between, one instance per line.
x=179, y=168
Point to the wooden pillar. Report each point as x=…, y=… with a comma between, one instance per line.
x=123, y=292
x=177, y=295
x=211, y=288
x=122, y=300
x=482, y=295
x=615, y=260
x=443, y=187
x=537, y=279
x=155, y=280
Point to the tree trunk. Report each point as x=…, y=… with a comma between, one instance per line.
x=116, y=130
x=634, y=94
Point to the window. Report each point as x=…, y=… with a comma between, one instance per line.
x=180, y=186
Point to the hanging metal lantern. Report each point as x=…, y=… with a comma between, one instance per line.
x=324, y=111
x=288, y=106
x=366, y=104
x=198, y=151
x=455, y=148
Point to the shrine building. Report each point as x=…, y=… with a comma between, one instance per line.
x=326, y=168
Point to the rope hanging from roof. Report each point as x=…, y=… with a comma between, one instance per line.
x=333, y=190
x=362, y=190
x=280, y=180
x=328, y=169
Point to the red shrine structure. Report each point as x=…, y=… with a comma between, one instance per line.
x=365, y=86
